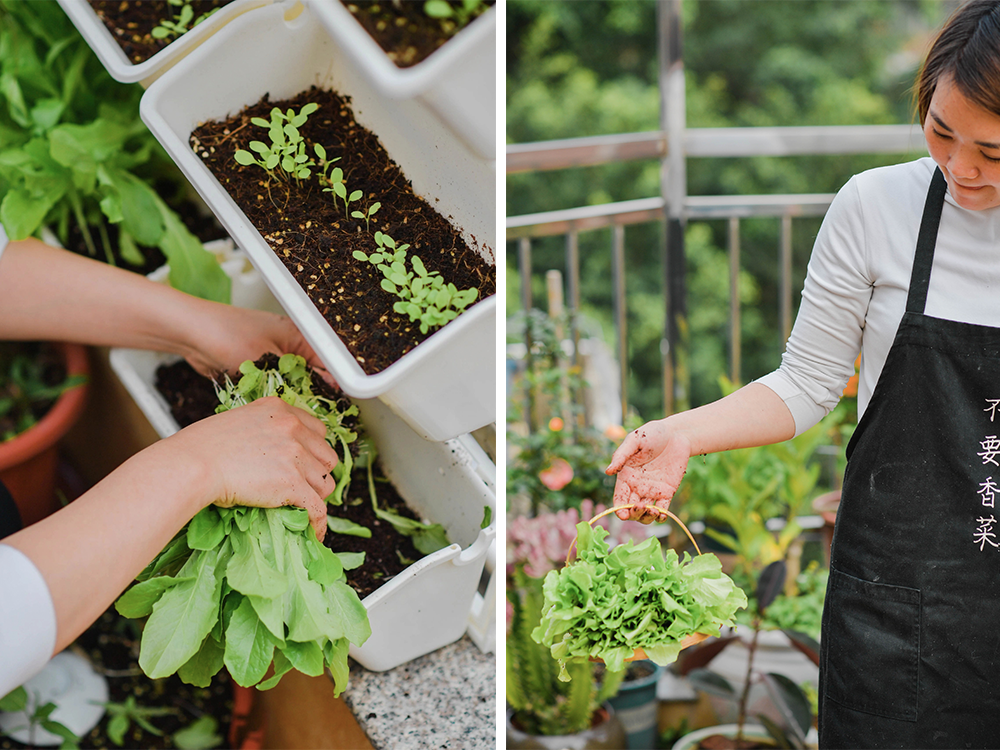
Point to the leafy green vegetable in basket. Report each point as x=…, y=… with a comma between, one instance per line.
x=610, y=602
x=248, y=587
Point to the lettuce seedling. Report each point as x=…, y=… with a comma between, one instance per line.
x=423, y=295
x=181, y=23
x=246, y=588
x=287, y=148
x=610, y=602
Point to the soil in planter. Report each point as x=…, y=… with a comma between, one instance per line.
x=192, y=397
x=403, y=30
x=131, y=22
x=38, y=365
x=112, y=646
x=310, y=232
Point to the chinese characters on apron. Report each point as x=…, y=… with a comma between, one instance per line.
x=910, y=654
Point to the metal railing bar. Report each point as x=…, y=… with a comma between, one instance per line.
x=735, y=350
x=620, y=310
x=563, y=221
x=785, y=277
x=714, y=143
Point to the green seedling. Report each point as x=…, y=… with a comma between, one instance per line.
x=124, y=714
x=38, y=716
x=287, y=148
x=367, y=215
x=181, y=23
x=423, y=295
x=335, y=184
x=461, y=13
x=201, y=734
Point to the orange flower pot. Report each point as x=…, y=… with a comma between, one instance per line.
x=28, y=462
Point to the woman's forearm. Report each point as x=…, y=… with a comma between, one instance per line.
x=91, y=550
x=752, y=416
x=49, y=293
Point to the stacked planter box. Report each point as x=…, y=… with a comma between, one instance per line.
x=420, y=409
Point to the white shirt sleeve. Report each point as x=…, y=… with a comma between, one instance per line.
x=27, y=619
x=826, y=338
x=3, y=239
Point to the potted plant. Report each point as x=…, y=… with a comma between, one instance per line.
x=542, y=710
x=78, y=160
x=791, y=726
x=41, y=397
x=456, y=79
x=442, y=387
x=137, y=42
x=636, y=703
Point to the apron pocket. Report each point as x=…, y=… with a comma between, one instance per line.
x=871, y=632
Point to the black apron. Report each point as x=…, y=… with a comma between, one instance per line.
x=910, y=654
x=10, y=517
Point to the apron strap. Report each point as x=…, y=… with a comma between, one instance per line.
x=920, y=276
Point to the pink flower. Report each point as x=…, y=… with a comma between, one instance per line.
x=558, y=475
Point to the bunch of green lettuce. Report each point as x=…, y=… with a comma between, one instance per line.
x=609, y=602
x=247, y=587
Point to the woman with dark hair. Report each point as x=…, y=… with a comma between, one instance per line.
x=906, y=269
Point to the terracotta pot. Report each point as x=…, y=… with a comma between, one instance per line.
x=607, y=733
x=28, y=462
x=248, y=726
x=826, y=506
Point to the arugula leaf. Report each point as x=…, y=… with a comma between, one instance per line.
x=346, y=526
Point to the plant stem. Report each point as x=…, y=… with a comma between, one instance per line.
x=745, y=696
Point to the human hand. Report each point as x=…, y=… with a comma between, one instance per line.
x=265, y=454
x=228, y=336
x=649, y=464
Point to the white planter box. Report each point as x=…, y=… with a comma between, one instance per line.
x=429, y=604
x=103, y=43
x=447, y=385
x=458, y=81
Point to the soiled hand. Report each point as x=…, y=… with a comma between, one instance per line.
x=649, y=463
x=265, y=454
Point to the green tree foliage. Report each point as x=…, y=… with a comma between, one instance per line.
x=589, y=68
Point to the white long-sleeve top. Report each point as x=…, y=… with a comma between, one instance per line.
x=27, y=616
x=857, y=281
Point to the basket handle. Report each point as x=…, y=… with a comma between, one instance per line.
x=599, y=516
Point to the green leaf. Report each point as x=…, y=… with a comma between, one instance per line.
x=205, y=530
x=21, y=213
x=438, y=9
x=351, y=560
x=281, y=667
x=204, y=665
x=335, y=654
x=305, y=657
x=201, y=734
x=250, y=571
x=244, y=157
x=309, y=108
x=260, y=122
x=388, y=286
x=15, y=700
x=138, y=601
x=346, y=526
x=182, y=617
x=249, y=646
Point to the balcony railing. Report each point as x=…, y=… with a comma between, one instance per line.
x=706, y=142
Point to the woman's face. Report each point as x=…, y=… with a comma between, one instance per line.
x=964, y=140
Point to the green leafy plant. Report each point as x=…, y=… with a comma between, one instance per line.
x=247, y=587
x=793, y=703
x=28, y=387
x=181, y=23
x=334, y=181
x=201, y=734
x=38, y=715
x=367, y=214
x=424, y=295
x=609, y=602
x=287, y=148
x=122, y=715
x=74, y=152
x=542, y=703
x=461, y=12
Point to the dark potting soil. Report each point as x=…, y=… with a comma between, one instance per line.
x=132, y=21
x=112, y=646
x=406, y=33
x=192, y=397
x=310, y=232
